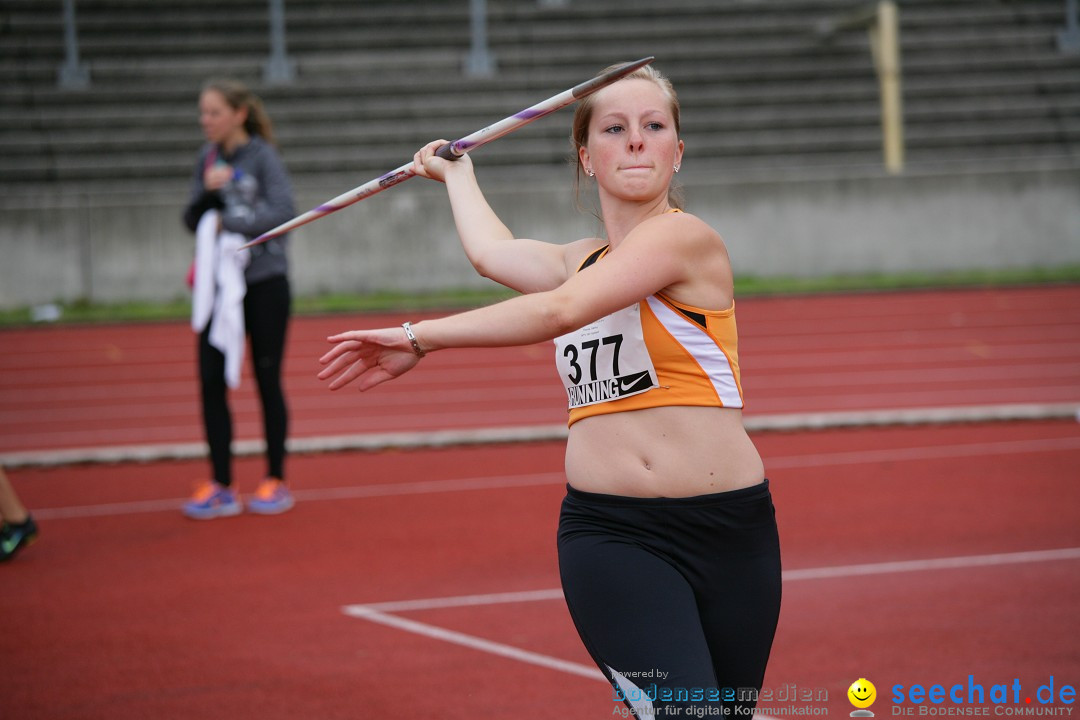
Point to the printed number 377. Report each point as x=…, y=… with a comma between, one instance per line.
x=571, y=351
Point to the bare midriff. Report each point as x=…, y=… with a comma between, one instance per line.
x=662, y=452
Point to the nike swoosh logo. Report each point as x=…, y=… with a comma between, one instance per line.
x=635, y=383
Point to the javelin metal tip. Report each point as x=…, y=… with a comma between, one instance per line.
x=632, y=66
x=590, y=86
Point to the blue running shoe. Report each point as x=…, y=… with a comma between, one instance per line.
x=211, y=501
x=271, y=498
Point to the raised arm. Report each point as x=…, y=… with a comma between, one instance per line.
x=665, y=253
x=524, y=265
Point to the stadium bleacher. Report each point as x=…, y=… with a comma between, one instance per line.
x=762, y=86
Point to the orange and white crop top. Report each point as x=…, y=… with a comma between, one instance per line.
x=654, y=353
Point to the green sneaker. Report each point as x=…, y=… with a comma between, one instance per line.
x=15, y=537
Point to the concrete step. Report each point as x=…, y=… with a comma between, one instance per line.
x=686, y=68
x=29, y=16
x=149, y=30
x=135, y=160
x=758, y=81
x=363, y=127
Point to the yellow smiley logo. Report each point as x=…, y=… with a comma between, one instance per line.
x=862, y=693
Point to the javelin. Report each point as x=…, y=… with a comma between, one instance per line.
x=454, y=150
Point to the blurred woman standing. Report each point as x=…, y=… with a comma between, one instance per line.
x=240, y=178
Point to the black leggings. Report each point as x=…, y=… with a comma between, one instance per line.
x=266, y=317
x=676, y=599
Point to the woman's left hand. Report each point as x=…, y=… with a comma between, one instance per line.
x=370, y=356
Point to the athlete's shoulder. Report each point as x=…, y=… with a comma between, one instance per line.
x=688, y=221
x=681, y=228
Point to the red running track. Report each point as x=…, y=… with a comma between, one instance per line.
x=912, y=556
x=89, y=386
x=924, y=555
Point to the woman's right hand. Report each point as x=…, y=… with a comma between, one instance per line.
x=217, y=176
x=427, y=164
x=370, y=357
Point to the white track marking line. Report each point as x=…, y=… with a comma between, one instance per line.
x=341, y=493
x=836, y=571
x=499, y=649
x=476, y=643
x=535, y=479
x=381, y=613
x=537, y=433
x=932, y=452
x=432, y=486
x=463, y=601
x=1017, y=558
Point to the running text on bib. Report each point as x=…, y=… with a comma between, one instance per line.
x=606, y=360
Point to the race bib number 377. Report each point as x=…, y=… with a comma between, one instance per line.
x=606, y=360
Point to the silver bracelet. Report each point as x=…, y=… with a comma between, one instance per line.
x=420, y=352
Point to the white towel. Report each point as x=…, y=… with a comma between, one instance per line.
x=218, y=293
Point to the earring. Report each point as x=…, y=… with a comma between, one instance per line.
x=676, y=168
x=590, y=173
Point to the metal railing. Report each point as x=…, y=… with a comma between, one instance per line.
x=279, y=68
x=1069, y=38
x=882, y=21
x=72, y=74
x=479, y=62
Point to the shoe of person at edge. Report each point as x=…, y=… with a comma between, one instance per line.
x=271, y=498
x=213, y=500
x=14, y=537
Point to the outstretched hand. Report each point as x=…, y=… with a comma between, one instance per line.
x=370, y=356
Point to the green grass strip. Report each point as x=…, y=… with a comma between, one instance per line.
x=745, y=286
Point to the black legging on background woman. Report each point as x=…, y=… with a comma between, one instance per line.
x=266, y=310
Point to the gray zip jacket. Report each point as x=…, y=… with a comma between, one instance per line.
x=257, y=199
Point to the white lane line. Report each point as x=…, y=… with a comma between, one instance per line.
x=835, y=571
x=381, y=613
x=772, y=463
x=464, y=601
x=537, y=433
x=341, y=493
x=931, y=452
x=476, y=643
x=1017, y=558
x=471, y=641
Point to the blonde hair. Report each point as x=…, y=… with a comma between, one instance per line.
x=579, y=133
x=238, y=96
